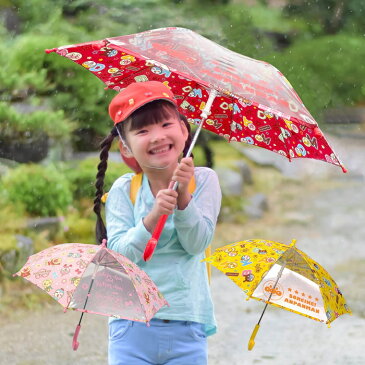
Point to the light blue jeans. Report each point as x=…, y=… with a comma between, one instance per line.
x=172, y=343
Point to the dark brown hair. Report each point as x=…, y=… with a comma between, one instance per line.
x=151, y=113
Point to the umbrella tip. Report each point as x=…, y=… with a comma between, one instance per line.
x=343, y=169
x=293, y=242
x=50, y=50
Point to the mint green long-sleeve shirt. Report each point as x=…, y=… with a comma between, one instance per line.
x=176, y=266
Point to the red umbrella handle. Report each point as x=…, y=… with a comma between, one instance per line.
x=152, y=243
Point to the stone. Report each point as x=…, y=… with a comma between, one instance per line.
x=245, y=171
x=231, y=182
x=257, y=206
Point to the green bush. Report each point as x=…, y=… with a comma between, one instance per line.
x=43, y=191
x=326, y=72
x=16, y=125
x=83, y=176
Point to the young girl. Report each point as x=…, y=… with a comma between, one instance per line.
x=154, y=134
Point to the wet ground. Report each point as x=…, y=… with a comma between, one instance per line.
x=327, y=217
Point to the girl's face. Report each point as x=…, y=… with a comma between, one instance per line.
x=158, y=145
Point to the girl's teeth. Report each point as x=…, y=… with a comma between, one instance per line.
x=160, y=150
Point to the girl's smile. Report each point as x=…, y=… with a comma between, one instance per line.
x=158, y=145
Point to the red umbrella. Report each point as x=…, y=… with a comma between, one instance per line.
x=234, y=96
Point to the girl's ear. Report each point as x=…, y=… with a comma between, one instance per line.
x=125, y=150
x=128, y=158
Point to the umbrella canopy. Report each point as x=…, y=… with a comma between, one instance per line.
x=94, y=279
x=255, y=103
x=283, y=276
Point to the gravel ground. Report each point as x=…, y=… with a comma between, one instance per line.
x=329, y=227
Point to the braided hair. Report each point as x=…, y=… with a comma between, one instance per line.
x=105, y=145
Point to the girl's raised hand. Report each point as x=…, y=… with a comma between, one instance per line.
x=165, y=203
x=183, y=174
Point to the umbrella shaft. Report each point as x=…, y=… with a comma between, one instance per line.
x=204, y=115
x=268, y=300
x=89, y=291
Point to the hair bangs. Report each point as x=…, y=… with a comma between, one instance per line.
x=152, y=113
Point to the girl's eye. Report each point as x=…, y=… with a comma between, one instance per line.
x=167, y=124
x=141, y=131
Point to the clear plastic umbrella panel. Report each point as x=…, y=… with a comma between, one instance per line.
x=283, y=276
x=94, y=279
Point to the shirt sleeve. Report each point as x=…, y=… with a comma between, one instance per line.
x=123, y=235
x=195, y=224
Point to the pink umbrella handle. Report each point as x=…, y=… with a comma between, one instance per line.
x=152, y=243
x=75, y=343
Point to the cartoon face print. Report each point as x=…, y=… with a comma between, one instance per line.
x=89, y=64
x=43, y=273
x=47, y=285
x=110, y=52
x=300, y=150
x=247, y=140
x=75, y=281
x=25, y=272
x=246, y=260
x=213, y=123
x=231, y=251
x=259, y=251
x=306, y=141
x=74, y=56
x=257, y=268
x=74, y=255
x=58, y=294
x=334, y=158
x=126, y=60
x=230, y=265
x=81, y=264
x=113, y=70
x=247, y=275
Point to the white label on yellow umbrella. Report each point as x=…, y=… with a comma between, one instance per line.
x=293, y=291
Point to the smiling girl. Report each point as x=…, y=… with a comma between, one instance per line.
x=154, y=137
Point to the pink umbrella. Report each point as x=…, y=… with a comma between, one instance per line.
x=94, y=279
x=236, y=97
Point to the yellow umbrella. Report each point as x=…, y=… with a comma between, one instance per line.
x=281, y=275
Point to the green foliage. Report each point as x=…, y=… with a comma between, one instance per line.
x=43, y=191
x=329, y=16
x=322, y=71
x=83, y=176
x=16, y=125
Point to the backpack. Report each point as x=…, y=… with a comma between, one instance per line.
x=136, y=183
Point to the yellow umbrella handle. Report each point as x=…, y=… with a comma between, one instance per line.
x=251, y=343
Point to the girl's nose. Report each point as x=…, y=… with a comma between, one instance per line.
x=157, y=136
